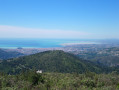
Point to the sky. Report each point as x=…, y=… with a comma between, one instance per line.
x=78, y=19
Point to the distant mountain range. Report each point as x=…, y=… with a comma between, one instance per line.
x=50, y=61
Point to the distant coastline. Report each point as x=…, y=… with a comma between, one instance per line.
x=49, y=43
x=68, y=44
x=39, y=43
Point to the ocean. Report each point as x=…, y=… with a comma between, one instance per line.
x=39, y=43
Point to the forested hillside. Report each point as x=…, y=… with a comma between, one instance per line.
x=50, y=61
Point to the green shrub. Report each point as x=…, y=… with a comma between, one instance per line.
x=88, y=83
x=118, y=86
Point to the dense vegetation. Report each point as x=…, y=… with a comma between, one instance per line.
x=59, y=81
x=9, y=54
x=50, y=61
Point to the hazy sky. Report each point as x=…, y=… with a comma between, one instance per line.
x=94, y=19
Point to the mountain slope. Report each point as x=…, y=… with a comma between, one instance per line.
x=9, y=54
x=49, y=61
